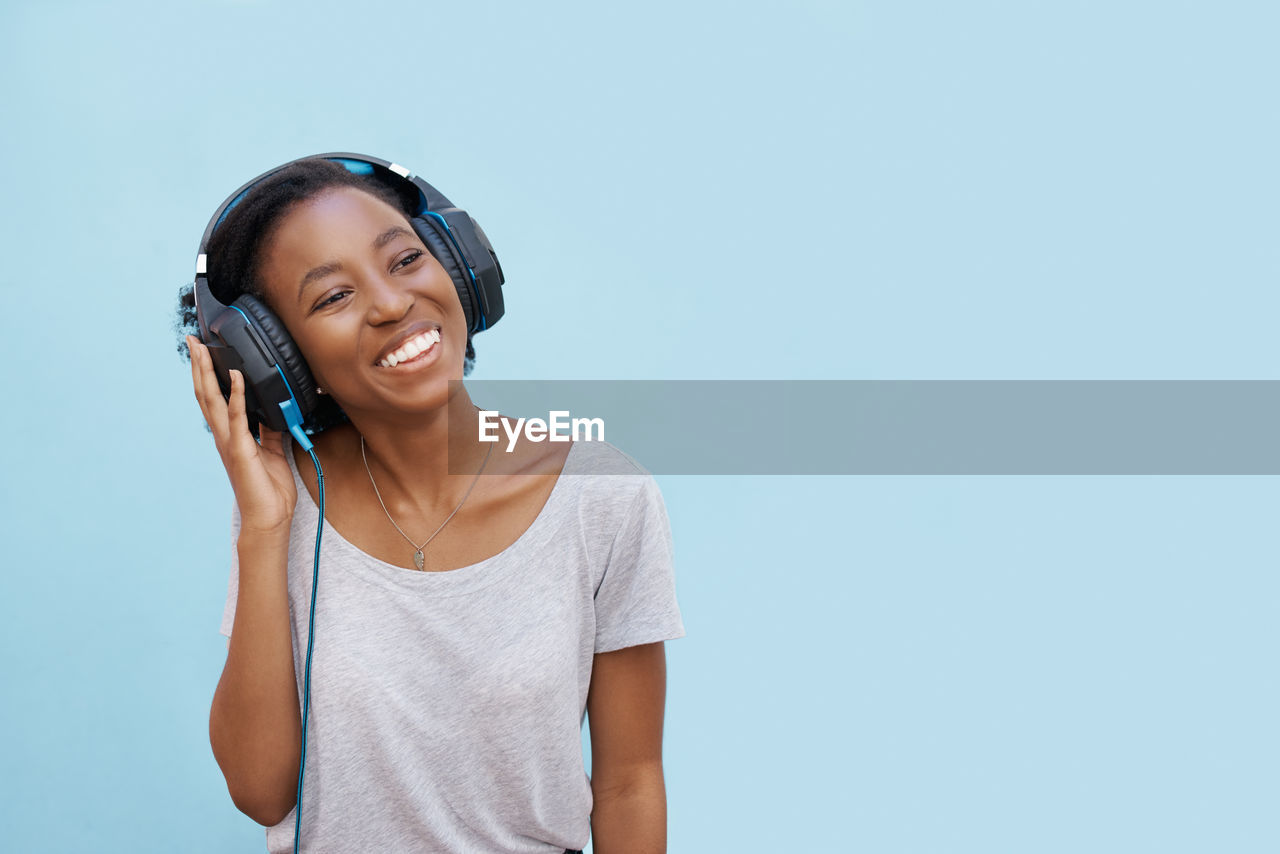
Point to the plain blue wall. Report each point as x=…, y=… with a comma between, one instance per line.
x=988, y=190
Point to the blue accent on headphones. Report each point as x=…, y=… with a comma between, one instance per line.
x=482, y=323
x=354, y=166
x=359, y=167
x=231, y=205
x=294, y=419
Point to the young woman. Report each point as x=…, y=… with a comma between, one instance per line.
x=472, y=604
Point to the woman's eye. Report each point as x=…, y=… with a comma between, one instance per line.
x=408, y=259
x=330, y=300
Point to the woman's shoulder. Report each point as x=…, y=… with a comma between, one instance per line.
x=606, y=482
x=602, y=458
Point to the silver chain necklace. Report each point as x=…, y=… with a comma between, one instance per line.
x=418, y=559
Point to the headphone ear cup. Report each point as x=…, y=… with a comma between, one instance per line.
x=285, y=353
x=442, y=250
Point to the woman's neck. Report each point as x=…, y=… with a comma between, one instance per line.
x=429, y=463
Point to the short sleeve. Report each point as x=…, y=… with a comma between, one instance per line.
x=233, y=583
x=635, y=602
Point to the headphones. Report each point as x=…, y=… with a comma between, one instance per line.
x=248, y=337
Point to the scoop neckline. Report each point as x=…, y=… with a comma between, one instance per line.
x=449, y=582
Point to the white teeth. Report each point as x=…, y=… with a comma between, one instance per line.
x=414, y=347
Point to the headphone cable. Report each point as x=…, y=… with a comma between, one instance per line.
x=311, y=633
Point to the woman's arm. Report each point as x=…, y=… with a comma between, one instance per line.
x=255, y=726
x=626, y=705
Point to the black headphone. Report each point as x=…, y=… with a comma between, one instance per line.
x=246, y=335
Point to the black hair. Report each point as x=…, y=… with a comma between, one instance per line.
x=235, y=249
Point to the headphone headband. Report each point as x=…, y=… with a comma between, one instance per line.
x=480, y=266
x=429, y=198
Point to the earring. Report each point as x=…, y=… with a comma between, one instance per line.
x=320, y=390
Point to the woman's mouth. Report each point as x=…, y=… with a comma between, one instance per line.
x=419, y=348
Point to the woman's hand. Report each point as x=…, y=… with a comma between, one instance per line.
x=258, y=470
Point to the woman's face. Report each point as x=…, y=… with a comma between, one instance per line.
x=358, y=290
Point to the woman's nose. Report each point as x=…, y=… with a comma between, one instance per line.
x=388, y=302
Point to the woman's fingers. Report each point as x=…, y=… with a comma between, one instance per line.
x=227, y=417
x=212, y=403
x=236, y=419
x=243, y=449
x=197, y=378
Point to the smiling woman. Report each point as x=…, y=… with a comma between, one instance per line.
x=439, y=703
x=376, y=292
x=235, y=251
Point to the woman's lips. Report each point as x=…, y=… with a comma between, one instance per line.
x=419, y=348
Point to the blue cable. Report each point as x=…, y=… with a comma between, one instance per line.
x=311, y=634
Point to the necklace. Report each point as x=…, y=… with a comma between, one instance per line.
x=418, y=559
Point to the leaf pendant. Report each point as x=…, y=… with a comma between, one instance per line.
x=417, y=559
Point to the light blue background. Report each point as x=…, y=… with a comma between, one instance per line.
x=905, y=190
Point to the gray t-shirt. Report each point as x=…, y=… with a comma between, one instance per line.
x=447, y=707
